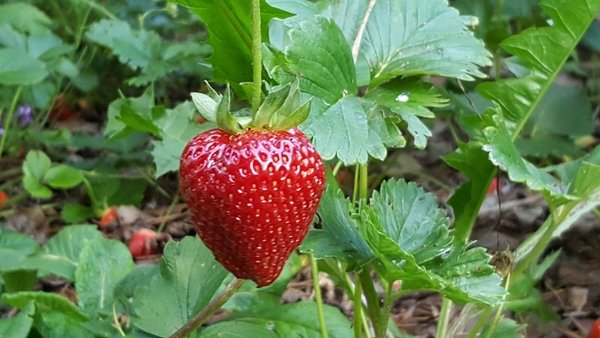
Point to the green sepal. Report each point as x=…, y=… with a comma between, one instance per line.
x=247, y=88
x=207, y=104
x=225, y=120
x=293, y=119
x=282, y=109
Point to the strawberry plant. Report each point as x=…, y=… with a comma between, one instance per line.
x=301, y=93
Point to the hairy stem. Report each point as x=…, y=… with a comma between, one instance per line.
x=358, y=315
x=204, y=315
x=363, y=181
x=314, y=269
x=373, y=306
x=444, y=318
x=483, y=319
x=256, y=56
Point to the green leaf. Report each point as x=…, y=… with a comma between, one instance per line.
x=166, y=154
x=76, y=213
x=125, y=290
x=340, y=131
x=36, y=164
x=408, y=38
x=415, y=38
x=408, y=95
x=284, y=320
x=317, y=53
x=539, y=51
x=102, y=264
x=238, y=329
x=504, y=154
x=177, y=127
x=56, y=316
x=549, y=117
x=189, y=277
x=19, y=68
x=35, y=167
x=340, y=236
x=14, y=250
x=18, y=242
x=19, y=325
x=35, y=188
x=142, y=105
x=138, y=120
x=63, y=177
x=137, y=48
x=229, y=33
x=24, y=17
x=409, y=98
x=543, y=52
x=383, y=132
x=586, y=181
x=60, y=255
x=44, y=301
x=411, y=240
x=19, y=280
x=505, y=328
x=466, y=201
x=410, y=217
x=584, y=184
x=537, y=146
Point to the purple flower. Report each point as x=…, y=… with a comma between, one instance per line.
x=24, y=115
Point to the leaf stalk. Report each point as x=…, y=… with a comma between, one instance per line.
x=204, y=315
x=256, y=55
x=314, y=269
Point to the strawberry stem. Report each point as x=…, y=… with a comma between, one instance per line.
x=204, y=315
x=314, y=269
x=256, y=56
x=358, y=315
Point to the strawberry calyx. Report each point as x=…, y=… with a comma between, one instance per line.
x=282, y=109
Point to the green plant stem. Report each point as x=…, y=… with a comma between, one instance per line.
x=373, y=306
x=8, y=120
x=480, y=323
x=256, y=56
x=336, y=168
x=363, y=181
x=550, y=225
x=388, y=302
x=100, y=9
x=498, y=315
x=444, y=318
x=314, y=269
x=116, y=324
x=356, y=186
x=358, y=315
x=204, y=315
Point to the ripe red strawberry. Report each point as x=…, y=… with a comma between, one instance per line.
x=252, y=196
